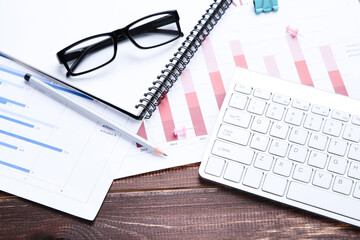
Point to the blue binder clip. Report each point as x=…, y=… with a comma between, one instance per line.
x=265, y=5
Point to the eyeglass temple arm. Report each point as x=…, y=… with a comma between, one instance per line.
x=148, y=27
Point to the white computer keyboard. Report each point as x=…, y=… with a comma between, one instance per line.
x=290, y=143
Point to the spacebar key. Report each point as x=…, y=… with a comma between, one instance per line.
x=325, y=200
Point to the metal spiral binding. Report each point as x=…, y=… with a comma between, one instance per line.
x=181, y=58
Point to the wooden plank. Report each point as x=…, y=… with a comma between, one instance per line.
x=148, y=206
x=179, y=177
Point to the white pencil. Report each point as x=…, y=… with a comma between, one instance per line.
x=80, y=108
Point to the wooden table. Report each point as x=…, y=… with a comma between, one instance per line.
x=170, y=204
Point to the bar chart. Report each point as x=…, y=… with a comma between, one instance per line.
x=51, y=154
x=259, y=43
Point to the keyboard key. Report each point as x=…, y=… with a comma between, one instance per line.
x=253, y=178
x=337, y=147
x=234, y=134
x=322, y=179
x=214, y=166
x=317, y=141
x=238, y=101
x=356, y=120
x=317, y=159
x=354, y=170
x=278, y=148
x=233, y=152
x=332, y=127
x=342, y=185
x=279, y=130
x=263, y=161
x=337, y=165
x=243, y=88
x=340, y=115
x=274, y=184
x=317, y=197
x=297, y=153
x=259, y=142
x=298, y=135
x=233, y=172
x=237, y=118
x=275, y=111
x=313, y=122
x=302, y=173
x=354, y=152
x=357, y=190
x=256, y=106
x=300, y=104
x=321, y=110
x=261, y=93
x=284, y=100
x=283, y=167
x=351, y=133
x=294, y=117
x=260, y=125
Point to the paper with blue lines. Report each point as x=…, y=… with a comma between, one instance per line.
x=50, y=154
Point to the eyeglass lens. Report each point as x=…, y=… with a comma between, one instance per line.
x=90, y=54
x=154, y=31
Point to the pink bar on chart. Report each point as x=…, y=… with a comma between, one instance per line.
x=333, y=71
x=167, y=120
x=193, y=103
x=214, y=72
x=209, y=55
x=299, y=60
x=238, y=54
x=271, y=66
x=304, y=73
x=142, y=133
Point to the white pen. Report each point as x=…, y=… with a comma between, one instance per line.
x=80, y=108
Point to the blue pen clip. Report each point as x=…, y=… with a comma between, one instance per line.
x=265, y=5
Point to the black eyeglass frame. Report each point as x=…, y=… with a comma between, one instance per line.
x=116, y=37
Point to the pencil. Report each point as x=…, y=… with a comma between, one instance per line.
x=80, y=108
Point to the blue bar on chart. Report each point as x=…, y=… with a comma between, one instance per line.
x=5, y=101
x=14, y=166
x=28, y=118
x=31, y=141
x=17, y=121
x=11, y=71
x=11, y=84
x=8, y=145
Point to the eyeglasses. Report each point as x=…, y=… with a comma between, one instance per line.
x=97, y=51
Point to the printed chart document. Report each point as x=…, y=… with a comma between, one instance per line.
x=325, y=54
x=52, y=155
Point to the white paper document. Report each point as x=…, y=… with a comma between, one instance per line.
x=52, y=155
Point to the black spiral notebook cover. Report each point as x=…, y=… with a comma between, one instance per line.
x=181, y=58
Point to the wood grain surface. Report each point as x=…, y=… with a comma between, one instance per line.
x=170, y=204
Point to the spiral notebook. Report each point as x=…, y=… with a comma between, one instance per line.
x=137, y=80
